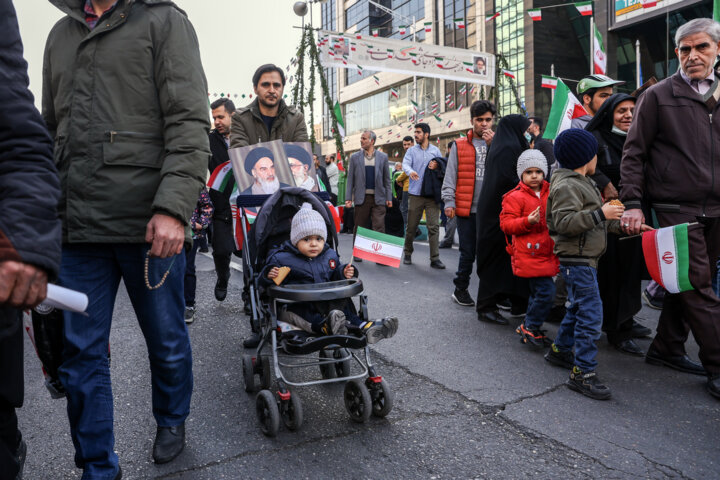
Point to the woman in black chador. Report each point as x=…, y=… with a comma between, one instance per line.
x=497, y=281
x=621, y=268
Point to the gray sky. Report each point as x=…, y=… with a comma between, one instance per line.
x=236, y=36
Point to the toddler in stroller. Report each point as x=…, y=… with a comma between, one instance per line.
x=295, y=274
x=311, y=260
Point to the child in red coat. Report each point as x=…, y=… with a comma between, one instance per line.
x=531, y=251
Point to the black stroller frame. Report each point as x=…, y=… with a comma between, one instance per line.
x=365, y=393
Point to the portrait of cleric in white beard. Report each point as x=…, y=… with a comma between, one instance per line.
x=260, y=169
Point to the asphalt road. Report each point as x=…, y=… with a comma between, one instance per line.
x=470, y=402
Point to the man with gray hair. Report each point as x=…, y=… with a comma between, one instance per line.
x=671, y=157
x=368, y=185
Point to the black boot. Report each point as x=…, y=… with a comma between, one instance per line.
x=169, y=442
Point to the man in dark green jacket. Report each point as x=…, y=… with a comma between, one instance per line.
x=266, y=118
x=125, y=97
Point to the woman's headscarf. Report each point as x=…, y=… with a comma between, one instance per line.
x=603, y=122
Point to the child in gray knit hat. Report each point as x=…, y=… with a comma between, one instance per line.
x=311, y=260
x=531, y=250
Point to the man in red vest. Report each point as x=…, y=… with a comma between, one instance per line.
x=461, y=190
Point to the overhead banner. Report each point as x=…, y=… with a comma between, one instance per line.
x=399, y=56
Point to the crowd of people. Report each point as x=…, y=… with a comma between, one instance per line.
x=116, y=192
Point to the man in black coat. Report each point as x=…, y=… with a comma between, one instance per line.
x=29, y=228
x=222, y=234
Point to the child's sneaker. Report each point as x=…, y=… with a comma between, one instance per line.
x=376, y=330
x=189, y=315
x=588, y=384
x=335, y=323
x=533, y=336
x=560, y=358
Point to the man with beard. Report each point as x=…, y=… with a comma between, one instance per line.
x=267, y=118
x=260, y=163
x=299, y=161
x=592, y=92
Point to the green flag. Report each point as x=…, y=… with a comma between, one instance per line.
x=716, y=10
x=340, y=122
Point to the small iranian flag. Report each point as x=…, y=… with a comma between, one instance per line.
x=394, y=93
x=352, y=46
x=414, y=105
x=359, y=69
x=428, y=27
x=548, y=82
x=564, y=108
x=375, y=32
x=459, y=22
x=460, y=108
x=390, y=52
x=438, y=118
x=338, y=117
x=469, y=67
x=358, y=36
x=667, y=257
x=377, y=80
x=378, y=247
x=449, y=124
x=402, y=29
x=599, y=57
x=220, y=177
x=649, y=3
x=463, y=89
x=585, y=8
x=508, y=74
x=439, y=61
x=492, y=16
x=473, y=89
x=535, y=14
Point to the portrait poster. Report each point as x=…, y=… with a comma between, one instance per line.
x=260, y=169
x=302, y=167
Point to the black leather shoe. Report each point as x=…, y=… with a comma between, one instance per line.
x=169, y=442
x=220, y=291
x=445, y=245
x=407, y=260
x=252, y=341
x=680, y=363
x=713, y=385
x=629, y=347
x=640, y=331
x=437, y=264
x=492, y=317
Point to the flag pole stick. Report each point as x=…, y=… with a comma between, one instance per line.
x=592, y=43
x=640, y=234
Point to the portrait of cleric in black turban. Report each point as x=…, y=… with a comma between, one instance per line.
x=301, y=166
x=260, y=169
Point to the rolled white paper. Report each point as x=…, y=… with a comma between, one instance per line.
x=65, y=299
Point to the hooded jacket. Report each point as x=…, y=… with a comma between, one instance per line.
x=248, y=127
x=575, y=219
x=532, y=248
x=127, y=105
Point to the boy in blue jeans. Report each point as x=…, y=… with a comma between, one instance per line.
x=578, y=222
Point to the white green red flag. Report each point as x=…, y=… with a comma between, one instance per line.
x=428, y=27
x=415, y=105
x=378, y=247
x=469, y=67
x=394, y=92
x=492, y=16
x=402, y=29
x=564, y=108
x=339, y=118
x=548, y=82
x=377, y=80
x=390, y=53
x=599, y=57
x=535, y=14
x=375, y=32
x=508, y=73
x=459, y=22
x=652, y=3
x=585, y=8
x=220, y=177
x=716, y=10
x=667, y=257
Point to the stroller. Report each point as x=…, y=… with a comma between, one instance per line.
x=365, y=393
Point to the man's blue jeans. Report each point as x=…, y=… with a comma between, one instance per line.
x=582, y=323
x=96, y=269
x=542, y=295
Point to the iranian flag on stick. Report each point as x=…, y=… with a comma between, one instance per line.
x=549, y=82
x=428, y=27
x=459, y=22
x=220, y=177
x=565, y=107
x=599, y=57
x=378, y=247
x=667, y=257
x=585, y=8
x=508, y=73
x=492, y=16
x=535, y=14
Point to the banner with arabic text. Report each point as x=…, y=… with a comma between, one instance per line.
x=399, y=56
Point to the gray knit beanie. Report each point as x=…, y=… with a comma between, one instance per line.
x=307, y=222
x=531, y=159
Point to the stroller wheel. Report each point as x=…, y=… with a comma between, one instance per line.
x=342, y=368
x=265, y=373
x=382, y=397
x=248, y=373
x=357, y=401
x=291, y=412
x=267, y=413
x=327, y=370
